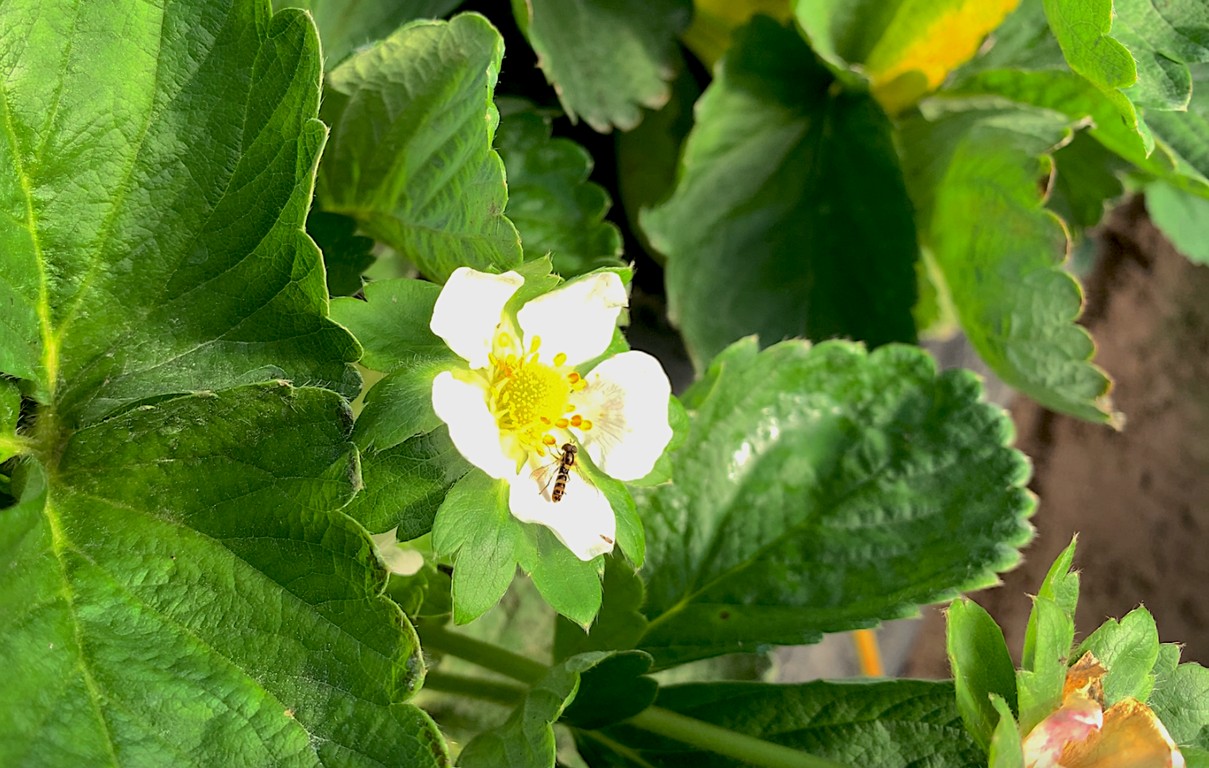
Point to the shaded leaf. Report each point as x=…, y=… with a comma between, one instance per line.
x=1003, y=268
x=823, y=489
x=605, y=58
x=527, y=738
x=616, y=689
x=347, y=25
x=410, y=154
x=406, y=483
x=550, y=200
x=767, y=231
x=715, y=21
x=346, y=255
x=1183, y=218
x=620, y=624
x=392, y=323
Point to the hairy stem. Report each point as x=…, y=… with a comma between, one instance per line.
x=483, y=654
x=474, y=687
x=723, y=741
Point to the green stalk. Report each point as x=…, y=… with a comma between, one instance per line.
x=696, y=733
x=749, y=749
x=483, y=654
x=474, y=687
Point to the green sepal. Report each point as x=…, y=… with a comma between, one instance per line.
x=981, y=666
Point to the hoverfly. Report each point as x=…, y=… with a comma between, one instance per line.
x=559, y=471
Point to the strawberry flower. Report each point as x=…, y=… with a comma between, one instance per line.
x=523, y=396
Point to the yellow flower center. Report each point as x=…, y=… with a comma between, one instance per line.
x=532, y=393
x=529, y=397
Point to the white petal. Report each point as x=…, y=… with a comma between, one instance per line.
x=472, y=428
x=576, y=319
x=468, y=310
x=582, y=520
x=626, y=400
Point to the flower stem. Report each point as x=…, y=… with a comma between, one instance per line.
x=697, y=733
x=474, y=687
x=723, y=741
x=483, y=654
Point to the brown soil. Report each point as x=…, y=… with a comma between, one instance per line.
x=1139, y=498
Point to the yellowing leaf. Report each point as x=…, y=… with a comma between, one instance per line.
x=925, y=41
x=714, y=20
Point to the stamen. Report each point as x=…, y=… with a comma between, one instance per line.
x=503, y=339
x=549, y=440
x=537, y=342
x=559, y=359
x=561, y=423
x=573, y=376
x=576, y=420
x=585, y=424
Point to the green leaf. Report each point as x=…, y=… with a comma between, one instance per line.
x=186, y=591
x=620, y=624
x=474, y=524
x=616, y=689
x=1140, y=47
x=1082, y=30
x=1128, y=650
x=823, y=489
x=1061, y=587
x=1006, y=751
x=749, y=246
x=1085, y=183
x=1180, y=699
x=1183, y=218
x=349, y=24
x=550, y=200
x=392, y=323
x=570, y=585
x=888, y=724
x=158, y=532
x=406, y=483
x=410, y=156
x=154, y=243
x=345, y=254
x=648, y=156
x=1186, y=134
x=527, y=738
x=399, y=406
x=981, y=665
x=606, y=58
x=973, y=173
x=424, y=594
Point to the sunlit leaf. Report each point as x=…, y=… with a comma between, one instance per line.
x=822, y=489
x=606, y=58
x=1003, y=266
x=410, y=155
